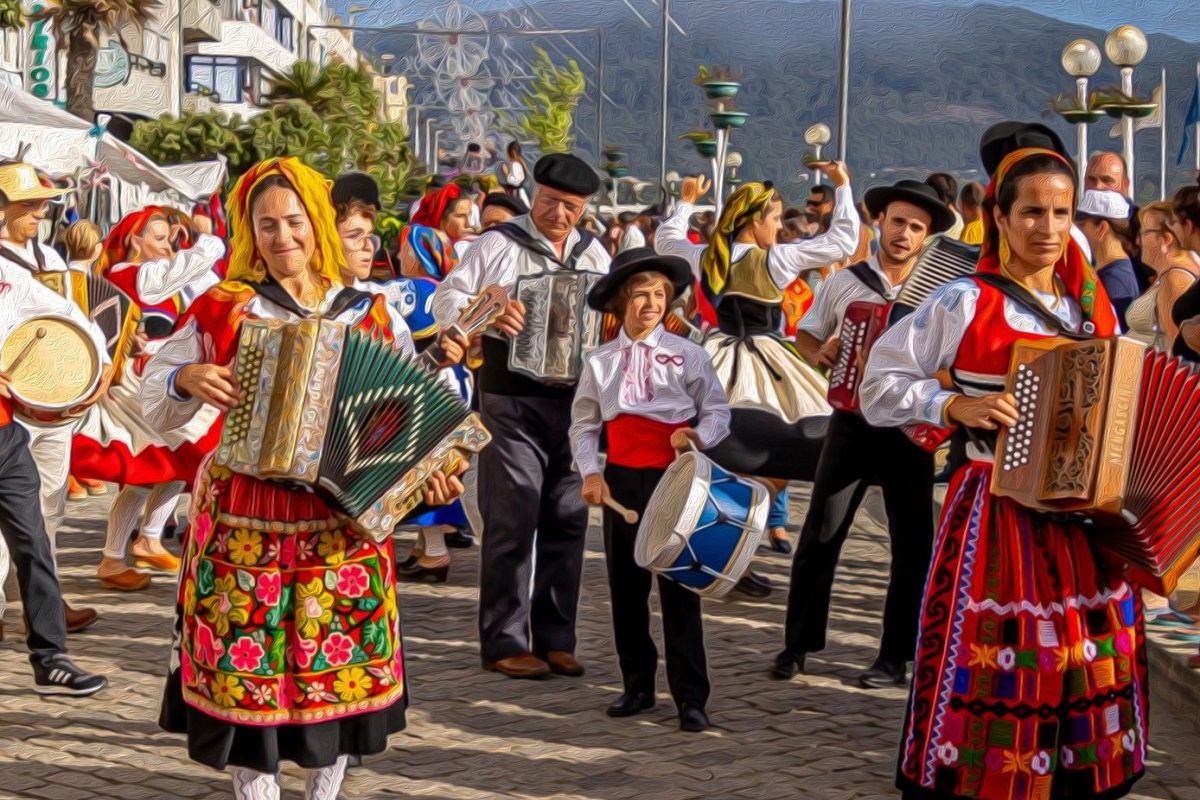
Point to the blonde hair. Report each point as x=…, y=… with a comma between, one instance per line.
x=312, y=189
x=81, y=240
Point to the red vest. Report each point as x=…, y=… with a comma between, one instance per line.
x=986, y=348
x=125, y=279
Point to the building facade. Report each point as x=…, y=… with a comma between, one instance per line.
x=197, y=55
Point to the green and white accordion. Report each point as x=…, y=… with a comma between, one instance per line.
x=344, y=413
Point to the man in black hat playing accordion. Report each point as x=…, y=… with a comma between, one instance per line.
x=855, y=454
x=529, y=494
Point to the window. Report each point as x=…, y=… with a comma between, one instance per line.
x=285, y=32
x=218, y=74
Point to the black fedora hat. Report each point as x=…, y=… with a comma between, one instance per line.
x=632, y=262
x=917, y=193
x=1005, y=137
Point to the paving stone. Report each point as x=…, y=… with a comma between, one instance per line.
x=479, y=736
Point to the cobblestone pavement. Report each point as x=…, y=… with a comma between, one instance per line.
x=478, y=735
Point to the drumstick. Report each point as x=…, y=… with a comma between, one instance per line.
x=631, y=517
x=40, y=333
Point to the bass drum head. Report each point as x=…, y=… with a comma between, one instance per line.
x=60, y=368
x=673, y=511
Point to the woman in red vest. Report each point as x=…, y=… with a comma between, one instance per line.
x=1030, y=678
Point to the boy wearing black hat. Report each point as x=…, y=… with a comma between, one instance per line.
x=529, y=495
x=643, y=388
x=856, y=454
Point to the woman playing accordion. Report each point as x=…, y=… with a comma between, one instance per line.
x=1030, y=678
x=288, y=643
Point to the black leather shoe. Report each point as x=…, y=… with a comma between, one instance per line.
x=631, y=703
x=787, y=666
x=692, y=718
x=883, y=674
x=752, y=585
x=460, y=540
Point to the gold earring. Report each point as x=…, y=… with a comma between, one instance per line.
x=1005, y=250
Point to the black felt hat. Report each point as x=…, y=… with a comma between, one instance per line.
x=1005, y=137
x=632, y=262
x=919, y=194
x=566, y=173
x=501, y=200
x=356, y=186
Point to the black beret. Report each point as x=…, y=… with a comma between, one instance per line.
x=566, y=173
x=501, y=200
x=1005, y=137
x=356, y=186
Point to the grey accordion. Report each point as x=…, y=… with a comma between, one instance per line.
x=559, y=329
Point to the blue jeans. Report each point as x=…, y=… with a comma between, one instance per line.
x=778, y=517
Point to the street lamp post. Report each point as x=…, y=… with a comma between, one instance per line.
x=351, y=14
x=1081, y=60
x=817, y=136
x=1126, y=47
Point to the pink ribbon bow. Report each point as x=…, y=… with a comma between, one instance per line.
x=665, y=359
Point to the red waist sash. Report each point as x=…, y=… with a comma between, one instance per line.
x=640, y=443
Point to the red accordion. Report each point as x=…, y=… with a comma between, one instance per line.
x=861, y=326
x=1109, y=431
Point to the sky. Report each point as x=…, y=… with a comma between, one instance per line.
x=1175, y=17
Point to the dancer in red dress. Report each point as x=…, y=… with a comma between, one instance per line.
x=1030, y=678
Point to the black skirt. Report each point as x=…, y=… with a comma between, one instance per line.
x=218, y=743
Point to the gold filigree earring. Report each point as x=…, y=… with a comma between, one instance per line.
x=1005, y=250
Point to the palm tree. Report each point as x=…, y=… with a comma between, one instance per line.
x=12, y=15
x=79, y=25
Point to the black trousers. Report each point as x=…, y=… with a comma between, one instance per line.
x=24, y=532
x=629, y=588
x=855, y=455
x=534, y=528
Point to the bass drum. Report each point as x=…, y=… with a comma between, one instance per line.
x=53, y=365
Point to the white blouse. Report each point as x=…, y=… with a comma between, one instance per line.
x=662, y=377
x=786, y=261
x=898, y=387
x=837, y=293
x=188, y=273
x=165, y=408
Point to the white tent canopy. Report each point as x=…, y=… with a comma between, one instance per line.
x=60, y=143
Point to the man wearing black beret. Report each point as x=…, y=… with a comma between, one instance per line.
x=534, y=517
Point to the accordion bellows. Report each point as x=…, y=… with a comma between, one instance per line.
x=1109, y=430
x=343, y=412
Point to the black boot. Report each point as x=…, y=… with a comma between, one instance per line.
x=787, y=666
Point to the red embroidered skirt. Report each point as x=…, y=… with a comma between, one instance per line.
x=1031, y=665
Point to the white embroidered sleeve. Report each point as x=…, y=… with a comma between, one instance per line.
x=160, y=280
x=712, y=406
x=163, y=406
x=788, y=261
x=899, y=387
x=671, y=238
x=468, y=279
x=587, y=421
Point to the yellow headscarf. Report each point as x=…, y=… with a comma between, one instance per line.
x=741, y=208
x=245, y=264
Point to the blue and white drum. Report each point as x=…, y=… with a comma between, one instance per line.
x=702, y=525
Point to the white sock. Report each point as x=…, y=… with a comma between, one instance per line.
x=325, y=783
x=433, y=541
x=251, y=785
x=123, y=517
x=160, y=507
